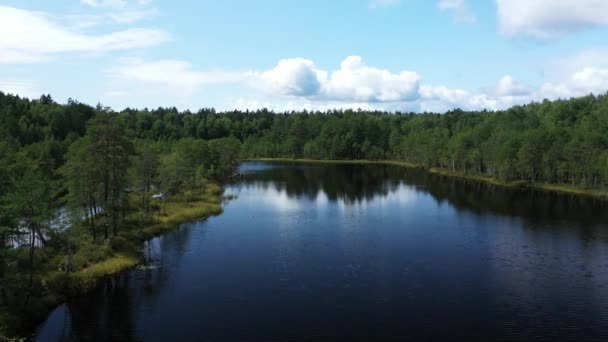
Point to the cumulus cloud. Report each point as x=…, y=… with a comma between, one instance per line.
x=27, y=36
x=506, y=93
x=507, y=86
x=462, y=14
x=359, y=82
x=549, y=18
x=294, y=76
x=586, y=81
x=441, y=98
x=509, y=92
x=294, y=84
x=596, y=57
x=354, y=81
x=298, y=83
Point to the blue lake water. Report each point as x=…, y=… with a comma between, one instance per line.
x=362, y=252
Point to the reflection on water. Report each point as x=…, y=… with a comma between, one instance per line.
x=326, y=252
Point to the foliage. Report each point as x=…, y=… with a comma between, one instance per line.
x=90, y=165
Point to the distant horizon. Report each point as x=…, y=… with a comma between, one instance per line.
x=327, y=110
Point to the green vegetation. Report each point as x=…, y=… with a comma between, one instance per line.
x=80, y=191
x=123, y=177
x=564, y=143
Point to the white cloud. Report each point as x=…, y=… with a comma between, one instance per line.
x=586, y=81
x=294, y=76
x=442, y=98
x=297, y=83
x=506, y=93
x=507, y=86
x=27, y=36
x=597, y=58
x=293, y=84
x=509, y=92
x=354, y=81
x=462, y=14
x=359, y=82
x=549, y=18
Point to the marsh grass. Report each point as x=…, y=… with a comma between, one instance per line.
x=186, y=207
x=89, y=276
x=126, y=248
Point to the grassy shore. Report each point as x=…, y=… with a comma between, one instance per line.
x=566, y=189
x=184, y=208
x=124, y=252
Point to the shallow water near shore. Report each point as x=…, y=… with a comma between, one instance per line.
x=368, y=252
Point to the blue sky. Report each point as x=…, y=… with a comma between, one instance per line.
x=419, y=55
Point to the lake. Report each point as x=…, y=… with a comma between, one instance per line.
x=362, y=252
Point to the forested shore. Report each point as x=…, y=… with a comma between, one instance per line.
x=562, y=142
x=83, y=186
x=601, y=194
x=81, y=191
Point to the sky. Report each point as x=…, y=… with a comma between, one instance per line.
x=394, y=55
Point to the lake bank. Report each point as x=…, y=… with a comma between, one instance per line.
x=564, y=189
x=126, y=254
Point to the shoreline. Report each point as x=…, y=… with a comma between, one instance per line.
x=177, y=212
x=553, y=188
x=60, y=286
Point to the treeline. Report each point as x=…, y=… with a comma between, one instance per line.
x=557, y=142
x=77, y=187
x=560, y=142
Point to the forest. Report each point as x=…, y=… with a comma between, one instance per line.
x=82, y=187
x=81, y=190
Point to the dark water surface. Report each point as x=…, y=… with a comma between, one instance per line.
x=363, y=252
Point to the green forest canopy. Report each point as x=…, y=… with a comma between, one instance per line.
x=561, y=142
